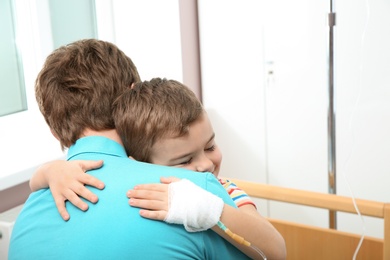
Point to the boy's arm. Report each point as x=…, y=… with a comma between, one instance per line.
x=66, y=180
x=245, y=222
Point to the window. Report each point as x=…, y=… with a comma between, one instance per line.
x=25, y=139
x=12, y=88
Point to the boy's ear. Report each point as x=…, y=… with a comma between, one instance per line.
x=54, y=134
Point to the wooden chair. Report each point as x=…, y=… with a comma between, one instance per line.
x=310, y=242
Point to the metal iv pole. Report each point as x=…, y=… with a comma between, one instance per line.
x=331, y=119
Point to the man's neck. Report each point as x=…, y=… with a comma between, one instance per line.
x=111, y=134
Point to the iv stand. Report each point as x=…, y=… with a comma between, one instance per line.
x=331, y=119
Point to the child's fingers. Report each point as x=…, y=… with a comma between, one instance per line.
x=92, y=181
x=161, y=194
x=154, y=187
x=167, y=180
x=156, y=215
x=60, y=203
x=89, y=165
x=73, y=198
x=149, y=204
x=79, y=190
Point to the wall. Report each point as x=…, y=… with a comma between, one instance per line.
x=14, y=196
x=265, y=83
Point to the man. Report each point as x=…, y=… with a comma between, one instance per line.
x=75, y=90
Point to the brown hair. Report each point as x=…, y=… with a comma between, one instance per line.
x=78, y=84
x=152, y=110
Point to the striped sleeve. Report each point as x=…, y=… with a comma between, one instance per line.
x=239, y=196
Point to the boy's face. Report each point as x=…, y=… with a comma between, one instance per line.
x=196, y=151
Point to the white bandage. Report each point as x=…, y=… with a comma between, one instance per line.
x=192, y=206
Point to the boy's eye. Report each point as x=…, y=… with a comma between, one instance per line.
x=211, y=148
x=186, y=162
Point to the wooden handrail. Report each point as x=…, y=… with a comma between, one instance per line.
x=322, y=200
x=311, y=198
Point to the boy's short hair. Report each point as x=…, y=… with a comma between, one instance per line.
x=78, y=84
x=153, y=110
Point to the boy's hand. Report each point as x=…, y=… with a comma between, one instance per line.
x=178, y=202
x=151, y=198
x=67, y=181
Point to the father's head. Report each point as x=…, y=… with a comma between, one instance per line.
x=78, y=84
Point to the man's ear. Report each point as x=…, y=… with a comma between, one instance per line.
x=54, y=134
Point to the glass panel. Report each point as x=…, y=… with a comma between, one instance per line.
x=72, y=20
x=12, y=90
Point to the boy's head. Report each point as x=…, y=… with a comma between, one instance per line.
x=152, y=110
x=78, y=84
x=162, y=121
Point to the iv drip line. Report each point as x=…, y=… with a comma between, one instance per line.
x=331, y=124
x=240, y=239
x=352, y=132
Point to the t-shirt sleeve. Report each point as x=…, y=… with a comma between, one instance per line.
x=215, y=187
x=239, y=196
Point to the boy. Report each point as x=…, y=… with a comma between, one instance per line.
x=162, y=122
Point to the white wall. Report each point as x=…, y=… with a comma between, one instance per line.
x=273, y=127
x=147, y=31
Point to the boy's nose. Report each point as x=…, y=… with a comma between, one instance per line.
x=205, y=165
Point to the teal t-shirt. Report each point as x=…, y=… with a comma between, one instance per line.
x=111, y=229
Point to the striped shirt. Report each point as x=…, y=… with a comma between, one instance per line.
x=239, y=196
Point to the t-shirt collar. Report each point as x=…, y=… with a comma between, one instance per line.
x=96, y=144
